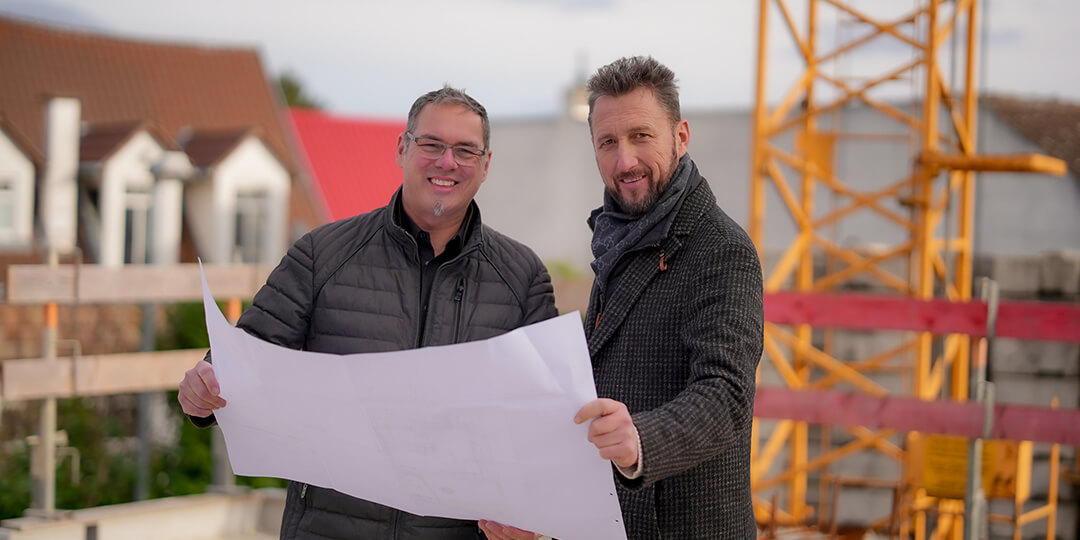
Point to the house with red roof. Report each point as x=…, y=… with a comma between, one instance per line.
x=351, y=160
x=143, y=151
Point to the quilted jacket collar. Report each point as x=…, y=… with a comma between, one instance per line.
x=474, y=232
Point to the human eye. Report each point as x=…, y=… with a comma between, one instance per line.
x=606, y=142
x=430, y=146
x=465, y=152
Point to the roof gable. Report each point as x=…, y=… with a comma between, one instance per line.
x=175, y=87
x=21, y=142
x=208, y=148
x=351, y=160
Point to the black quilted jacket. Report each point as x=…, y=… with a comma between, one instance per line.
x=353, y=286
x=678, y=340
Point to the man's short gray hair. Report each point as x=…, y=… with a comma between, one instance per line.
x=630, y=73
x=450, y=96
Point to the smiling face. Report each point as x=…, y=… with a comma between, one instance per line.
x=436, y=191
x=637, y=148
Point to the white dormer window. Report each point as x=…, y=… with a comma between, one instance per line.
x=7, y=208
x=250, y=231
x=137, y=203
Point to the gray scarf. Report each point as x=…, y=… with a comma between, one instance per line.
x=616, y=233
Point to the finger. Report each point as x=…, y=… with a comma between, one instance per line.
x=194, y=393
x=200, y=395
x=191, y=401
x=191, y=408
x=617, y=422
x=207, y=387
x=492, y=530
x=205, y=371
x=597, y=407
x=497, y=531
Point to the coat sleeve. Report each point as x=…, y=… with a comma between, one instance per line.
x=722, y=334
x=281, y=310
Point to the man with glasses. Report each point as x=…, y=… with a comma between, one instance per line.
x=422, y=270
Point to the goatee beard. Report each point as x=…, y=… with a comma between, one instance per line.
x=656, y=188
x=437, y=209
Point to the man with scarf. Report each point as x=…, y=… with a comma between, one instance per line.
x=674, y=323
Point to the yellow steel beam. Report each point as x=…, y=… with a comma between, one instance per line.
x=780, y=361
x=821, y=460
x=773, y=446
x=803, y=46
x=1031, y=163
x=861, y=199
x=875, y=33
x=792, y=202
x=845, y=99
x=867, y=365
x=887, y=28
x=858, y=264
x=827, y=362
x=786, y=265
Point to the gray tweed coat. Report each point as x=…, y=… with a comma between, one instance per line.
x=678, y=341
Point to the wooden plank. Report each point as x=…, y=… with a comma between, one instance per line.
x=129, y=284
x=1013, y=422
x=1052, y=321
x=35, y=378
x=133, y=372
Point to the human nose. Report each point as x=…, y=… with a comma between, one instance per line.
x=446, y=159
x=625, y=158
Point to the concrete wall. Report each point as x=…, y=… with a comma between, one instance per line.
x=543, y=183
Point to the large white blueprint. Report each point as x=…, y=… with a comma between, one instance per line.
x=480, y=430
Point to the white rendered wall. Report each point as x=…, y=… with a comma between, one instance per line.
x=251, y=167
x=16, y=168
x=127, y=169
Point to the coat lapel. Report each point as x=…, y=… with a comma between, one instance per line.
x=641, y=271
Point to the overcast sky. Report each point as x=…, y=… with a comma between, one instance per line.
x=518, y=57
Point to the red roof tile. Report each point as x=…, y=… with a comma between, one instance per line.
x=20, y=140
x=206, y=148
x=101, y=140
x=351, y=160
x=118, y=80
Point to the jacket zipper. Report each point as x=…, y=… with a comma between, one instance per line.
x=459, y=293
x=459, y=297
x=303, y=491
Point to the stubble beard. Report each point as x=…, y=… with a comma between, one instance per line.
x=656, y=187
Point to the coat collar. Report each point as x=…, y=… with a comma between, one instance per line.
x=473, y=235
x=643, y=267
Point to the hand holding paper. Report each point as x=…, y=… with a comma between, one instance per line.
x=478, y=430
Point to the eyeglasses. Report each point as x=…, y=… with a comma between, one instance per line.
x=432, y=148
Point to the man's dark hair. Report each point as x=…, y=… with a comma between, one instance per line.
x=630, y=73
x=448, y=95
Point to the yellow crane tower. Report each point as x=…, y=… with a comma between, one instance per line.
x=929, y=102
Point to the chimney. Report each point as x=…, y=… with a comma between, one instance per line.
x=59, y=190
